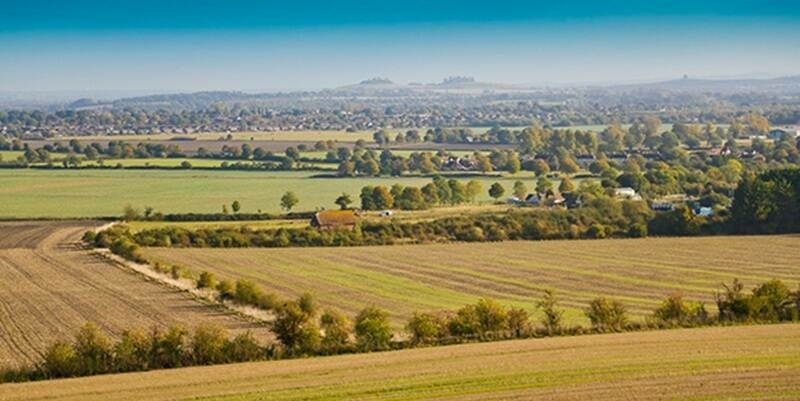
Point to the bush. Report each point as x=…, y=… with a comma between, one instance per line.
x=206, y=280
x=607, y=315
x=93, y=350
x=372, y=329
x=491, y=315
x=169, y=349
x=675, y=311
x=427, y=327
x=336, y=328
x=243, y=348
x=226, y=290
x=208, y=345
x=552, y=314
x=60, y=360
x=132, y=352
x=295, y=329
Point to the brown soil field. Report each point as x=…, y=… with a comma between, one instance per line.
x=719, y=363
x=49, y=287
x=408, y=278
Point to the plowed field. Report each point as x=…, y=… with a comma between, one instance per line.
x=49, y=287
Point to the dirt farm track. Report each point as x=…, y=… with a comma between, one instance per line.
x=50, y=286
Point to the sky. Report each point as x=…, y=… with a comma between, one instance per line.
x=249, y=45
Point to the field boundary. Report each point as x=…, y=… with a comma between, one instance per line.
x=206, y=296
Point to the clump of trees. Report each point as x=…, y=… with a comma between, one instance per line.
x=439, y=191
x=767, y=203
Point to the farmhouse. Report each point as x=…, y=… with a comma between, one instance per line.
x=333, y=219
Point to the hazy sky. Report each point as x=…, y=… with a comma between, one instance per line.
x=264, y=45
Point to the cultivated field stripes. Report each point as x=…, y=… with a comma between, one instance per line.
x=404, y=279
x=49, y=287
x=719, y=363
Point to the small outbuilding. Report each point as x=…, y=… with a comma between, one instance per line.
x=334, y=219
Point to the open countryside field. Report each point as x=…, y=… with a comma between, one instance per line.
x=90, y=193
x=720, y=363
x=404, y=279
x=49, y=287
x=303, y=136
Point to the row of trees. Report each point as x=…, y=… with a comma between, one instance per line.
x=301, y=330
x=439, y=191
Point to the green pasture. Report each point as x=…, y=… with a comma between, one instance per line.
x=69, y=193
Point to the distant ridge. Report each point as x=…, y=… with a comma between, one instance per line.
x=385, y=87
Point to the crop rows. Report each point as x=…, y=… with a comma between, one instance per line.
x=49, y=287
x=721, y=363
x=404, y=279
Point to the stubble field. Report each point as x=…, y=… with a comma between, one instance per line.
x=720, y=363
x=404, y=279
x=49, y=287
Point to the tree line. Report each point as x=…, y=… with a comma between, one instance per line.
x=301, y=329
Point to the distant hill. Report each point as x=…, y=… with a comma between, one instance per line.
x=790, y=83
x=382, y=87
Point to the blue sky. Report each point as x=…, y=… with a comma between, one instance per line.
x=164, y=45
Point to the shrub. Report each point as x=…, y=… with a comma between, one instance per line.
x=60, y=360
x=732, y=303
x=552, y=314
x=607, y=315
x=132, y=352
x=491, y=315
x=169, y=349
x=372, y=329
x=208, y=344
x=226, y=290
x=336, y=327
x=243, y=348
x=206, y=280
x=93, y=350
x=518, y=321
x=427, y=327
x=295, y=329
x=675, y=311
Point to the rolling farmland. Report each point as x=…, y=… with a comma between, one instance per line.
x=404, y=279
x=49, y=287
x=720, y=363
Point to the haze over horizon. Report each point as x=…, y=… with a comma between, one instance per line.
x=182, y=46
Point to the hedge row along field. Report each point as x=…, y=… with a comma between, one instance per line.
x=405, y=279
x=720, y=363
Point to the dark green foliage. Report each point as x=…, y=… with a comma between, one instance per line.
x=767, y=203
x=769, y=302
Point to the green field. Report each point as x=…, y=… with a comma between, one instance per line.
x=10, y=155
x=408, y=278
x=65, y=193
x=709, y=364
